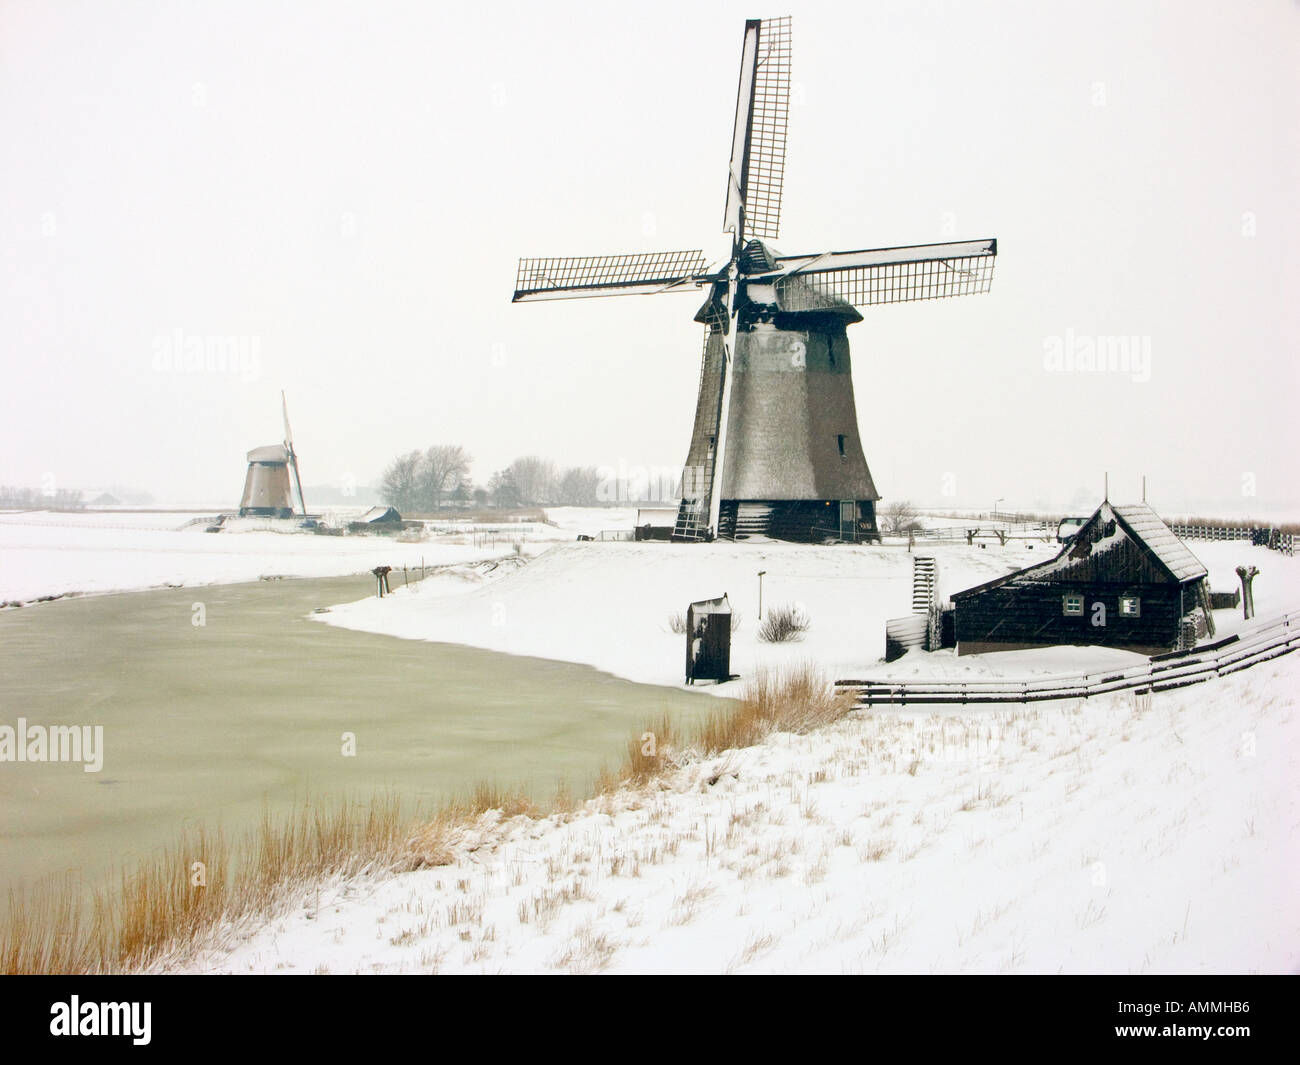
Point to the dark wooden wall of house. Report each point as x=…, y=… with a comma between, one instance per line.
x=1030, y=612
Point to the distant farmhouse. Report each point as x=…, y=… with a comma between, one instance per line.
x=1124, y=580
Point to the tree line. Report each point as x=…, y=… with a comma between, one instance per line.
x=439, y=476
x=63, y=499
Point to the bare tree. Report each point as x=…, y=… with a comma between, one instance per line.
x=504, y=490
x=442, y=468
x=899, y=517
x=534, y=478
x=578, y=487
x=398, y=487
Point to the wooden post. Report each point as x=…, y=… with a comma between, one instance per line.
x=1247, y=576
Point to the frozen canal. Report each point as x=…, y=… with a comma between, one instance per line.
x=206, y=723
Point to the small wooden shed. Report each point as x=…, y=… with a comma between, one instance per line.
x=655, y=523
x=708, y=640
x=1124, y=580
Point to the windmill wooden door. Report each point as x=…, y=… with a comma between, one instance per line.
x=848, y=519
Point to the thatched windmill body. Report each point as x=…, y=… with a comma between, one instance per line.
x=775, y=448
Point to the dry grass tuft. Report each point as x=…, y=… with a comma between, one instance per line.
x=433, y=843
x=190, y=890
x=648, y=755
x=796, y=700
x=487, y=797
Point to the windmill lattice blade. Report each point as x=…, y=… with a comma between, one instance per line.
x=888, y=275
x=765, y=174
x=733, y=218
x=606, y=275
x=288, y=433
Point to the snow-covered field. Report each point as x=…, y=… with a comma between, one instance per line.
x=1079, y=838
x=1073, y=837
x=54, y=553
x=607, y=605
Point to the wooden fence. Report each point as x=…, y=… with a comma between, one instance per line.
x=1022, y=531
x=1162, y=673
x=1260, y=535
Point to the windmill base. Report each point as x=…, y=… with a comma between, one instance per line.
x=265, y=512
x=802, y=521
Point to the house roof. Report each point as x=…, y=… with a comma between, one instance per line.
x=1141, y=524
x=1146, y=525
x=380, y=513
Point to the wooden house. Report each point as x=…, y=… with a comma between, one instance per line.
x=1124, y=580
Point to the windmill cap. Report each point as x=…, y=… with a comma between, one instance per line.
x=270, y=453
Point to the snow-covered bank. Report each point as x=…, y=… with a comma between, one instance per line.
x=46, y=553
x=607, y=605
x=1082, y=837
x=56, y=560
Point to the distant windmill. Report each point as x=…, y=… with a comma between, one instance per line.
x=775, y=411
x=267, y=490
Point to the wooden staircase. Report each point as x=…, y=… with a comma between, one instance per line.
x=925, y=583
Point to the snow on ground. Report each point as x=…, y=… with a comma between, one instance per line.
x=1097, y=837
x=591, y=521
x=54, y=552
x=608, y=605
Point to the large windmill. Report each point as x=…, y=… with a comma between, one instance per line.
x=267, y=488
x=775, y=448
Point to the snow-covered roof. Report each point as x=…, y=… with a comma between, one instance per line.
x=1146, y=525
x=380, y=513
x=651, y=515
x=1139, y=523
x=270, y=453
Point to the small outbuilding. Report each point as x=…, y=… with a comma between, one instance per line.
x=380, y=516
x=708, y=640
x=1124, y=580
x=655, y=523
x=377, y=519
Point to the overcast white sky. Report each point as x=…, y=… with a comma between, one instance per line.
x=344, y=188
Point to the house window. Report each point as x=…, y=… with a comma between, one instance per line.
x=1072, y=605
x=840, y=440
x=1130, y=606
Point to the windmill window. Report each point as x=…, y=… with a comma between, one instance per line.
x=1130, y=606
x=1072, y=605
x=840, y=440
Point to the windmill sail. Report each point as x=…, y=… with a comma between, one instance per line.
x=886, y=275
x=293, y=455
x=765, y=174
x=608, y=275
